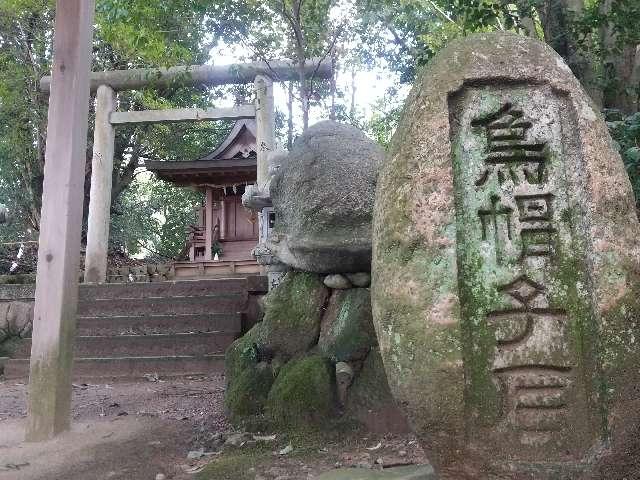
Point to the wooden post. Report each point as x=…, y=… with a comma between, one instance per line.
x=208, y=222
x=61, y=223
x=95, y=265
x=265, y=126
x=223, y=217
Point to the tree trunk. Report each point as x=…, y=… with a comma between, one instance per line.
x=621, y=68
x=304, y=92
x=332, y=111
x=352, y=112
x=555, y=16
x=290, y=116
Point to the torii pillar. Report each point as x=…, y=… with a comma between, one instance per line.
x=104, y=134
x=61, y=223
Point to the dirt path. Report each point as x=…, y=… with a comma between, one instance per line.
x=135, y=431
x=120, y=431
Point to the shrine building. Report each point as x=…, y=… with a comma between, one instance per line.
x=223, y=226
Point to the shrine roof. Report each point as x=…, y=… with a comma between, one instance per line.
x=232, y=162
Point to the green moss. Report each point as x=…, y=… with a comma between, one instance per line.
x=247, y=395
x=9, y=345
x=292, y=313
x=349, y=333
x=242, y=354
x=236, y=464
x=303, y=394
x=482, y=398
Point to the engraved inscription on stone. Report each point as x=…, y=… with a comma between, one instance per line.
x=531, y=364
x=513, y=158
x=510, y=155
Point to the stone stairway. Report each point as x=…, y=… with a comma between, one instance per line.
x=125, y=331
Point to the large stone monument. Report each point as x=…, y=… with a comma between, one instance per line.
x=505, y=266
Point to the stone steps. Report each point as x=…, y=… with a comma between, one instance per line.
x=154, y=324
x=182, y=288
x=157, y=345
x=224, y=303
x=125, y=331
x=129, y=368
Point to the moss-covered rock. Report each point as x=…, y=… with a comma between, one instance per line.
x=247, y=395
x=347, y=332
x=293, y=310
x=243, y=354
x=453, y=294
x=303, y=393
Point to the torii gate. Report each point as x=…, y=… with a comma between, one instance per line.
x=61, y=217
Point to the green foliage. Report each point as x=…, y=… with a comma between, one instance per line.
x=625, y=130
x=385, y=117
x=151, y=217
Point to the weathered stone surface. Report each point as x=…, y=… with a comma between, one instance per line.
x=323, y=197
x=303, y=393
x=16, y=319
x=292, y=314
x=411, y=472
x=347, y=332
x=360, y=279
x=369, y=400
x=337, y=282
x=505, y=264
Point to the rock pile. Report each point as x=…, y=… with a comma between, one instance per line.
x=290, y=367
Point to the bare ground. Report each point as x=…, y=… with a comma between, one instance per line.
x=135, y=431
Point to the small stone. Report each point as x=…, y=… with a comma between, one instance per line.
x=361, y=279
x=344, y=377
x=237, y=439
x=161, y=476
x=337, y=281
x=402, y=453
x=195, y=454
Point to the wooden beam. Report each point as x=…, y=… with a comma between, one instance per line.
x=183, y=115
x=211, y=75
x=61, y=223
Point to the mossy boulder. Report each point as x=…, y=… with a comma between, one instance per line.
x=505, y=295
x=303, y=394
x=243, y=354
x=247, y=395
x=347, y=332
x=293, y=311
